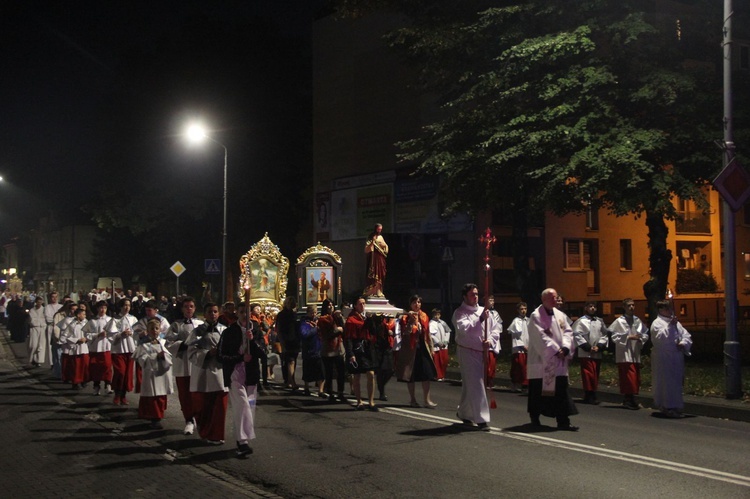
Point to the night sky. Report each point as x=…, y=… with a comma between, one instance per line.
x=96, y=93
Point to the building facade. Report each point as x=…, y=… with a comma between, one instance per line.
x=51, y=257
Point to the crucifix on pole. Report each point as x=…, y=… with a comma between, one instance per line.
x=488, y=239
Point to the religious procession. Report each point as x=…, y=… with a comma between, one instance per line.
x=221, y=358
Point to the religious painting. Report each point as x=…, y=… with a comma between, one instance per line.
x=318, y=283
x=263, y=276
x=318, y=276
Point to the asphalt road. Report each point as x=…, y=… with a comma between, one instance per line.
x=312, y=449
x=60, y=443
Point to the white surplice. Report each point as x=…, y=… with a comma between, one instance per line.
x=157, y=376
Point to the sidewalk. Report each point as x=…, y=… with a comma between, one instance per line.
x=61, y=443
x=712, y=407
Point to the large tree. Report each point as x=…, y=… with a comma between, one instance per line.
x=567, y=106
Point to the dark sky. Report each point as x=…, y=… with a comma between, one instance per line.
x=96, y=93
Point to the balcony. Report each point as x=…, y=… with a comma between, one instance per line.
x=693, y=222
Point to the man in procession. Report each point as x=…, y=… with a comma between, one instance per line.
x=550, y=352
x=474, y=329
x=176, y=337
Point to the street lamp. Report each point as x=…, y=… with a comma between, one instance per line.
x=197, y=133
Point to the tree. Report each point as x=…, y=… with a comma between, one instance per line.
x=138, y=237
x=567, y=105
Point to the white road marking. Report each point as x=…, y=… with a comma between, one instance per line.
x=586, y=449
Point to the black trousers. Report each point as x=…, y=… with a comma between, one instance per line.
x=335, y=365
x=560, y=406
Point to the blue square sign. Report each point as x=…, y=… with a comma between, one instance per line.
x=212, y=266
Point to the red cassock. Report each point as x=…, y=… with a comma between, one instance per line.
x=152, y=407
x=630, y=378
x=590, y=373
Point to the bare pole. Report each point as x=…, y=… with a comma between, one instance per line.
x=224, y=226
x=732, y=350
x=224, y=235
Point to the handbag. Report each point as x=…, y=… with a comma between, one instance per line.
x=362, y=350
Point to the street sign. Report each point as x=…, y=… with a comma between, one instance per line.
x=177, y=268
x=733, y=183
x=448, y=255
x=212, y=266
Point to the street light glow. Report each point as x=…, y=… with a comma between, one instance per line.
x=196, y=133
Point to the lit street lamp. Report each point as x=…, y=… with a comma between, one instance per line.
x=197, y=133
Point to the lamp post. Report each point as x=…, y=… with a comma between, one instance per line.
x=196, y=133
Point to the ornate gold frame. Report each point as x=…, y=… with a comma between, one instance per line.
x=318, y=257
x=257, y=260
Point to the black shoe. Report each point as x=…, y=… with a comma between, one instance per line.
x=243, y=450
x=373, y=408
x=535, y=421
x=383, y=398
x=483, y=426
x=465, y=421
x=156, y=425
x=567, y=427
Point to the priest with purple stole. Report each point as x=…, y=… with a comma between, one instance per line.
x=550, y=352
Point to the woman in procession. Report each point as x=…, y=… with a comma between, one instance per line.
x=415, y=359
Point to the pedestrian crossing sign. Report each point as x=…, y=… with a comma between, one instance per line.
x=212, y=266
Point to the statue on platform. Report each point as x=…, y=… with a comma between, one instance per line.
x=376, y=250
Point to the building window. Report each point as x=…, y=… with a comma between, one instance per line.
x=578, y=254
x=583, y=255
x=592, y=218
x=626, y=254
x=746, y=257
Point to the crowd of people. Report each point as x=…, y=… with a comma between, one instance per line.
x=226, y=356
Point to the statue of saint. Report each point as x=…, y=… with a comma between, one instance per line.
x=377, y=251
